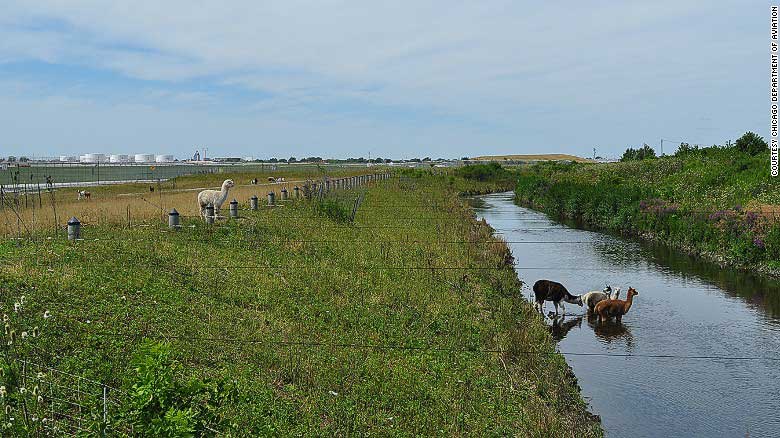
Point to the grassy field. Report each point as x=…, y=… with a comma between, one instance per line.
x=110, y=204
x=290, y=320
x=716, y=202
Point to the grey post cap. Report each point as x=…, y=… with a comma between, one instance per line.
x=173, y=212
x=73, y=221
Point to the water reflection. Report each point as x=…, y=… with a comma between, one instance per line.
x=559, y=327
x=610, y=331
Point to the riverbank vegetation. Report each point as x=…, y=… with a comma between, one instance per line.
x=406, y=319
x=718, y=202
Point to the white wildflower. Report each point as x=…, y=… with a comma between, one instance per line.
x=333, y=393
x=22, y=390
x=41, y=375
x=17, y=306
x=46, y=315
x=24, y=335
x=3, y=392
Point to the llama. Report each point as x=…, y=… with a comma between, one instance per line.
x=594, y=297
x=83, y=194
x=546, y=290
x=214, y=197
x=608, y=308
x=616, y=294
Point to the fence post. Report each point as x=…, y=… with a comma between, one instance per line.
x=271, y=198
x=253, y=202
x=297, y=191
x=284, y=193
x=210, y=213
x=74, y=228
x=173, y=219
x=234, y=208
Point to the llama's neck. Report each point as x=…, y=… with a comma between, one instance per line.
x=628, y=304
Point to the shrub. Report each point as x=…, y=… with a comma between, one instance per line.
x=751, y=143
x=483, y=172
x=161, y=405
x=333, y=209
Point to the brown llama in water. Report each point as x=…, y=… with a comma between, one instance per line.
x=608, y=308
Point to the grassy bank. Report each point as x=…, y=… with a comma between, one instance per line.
x=718, y=203
x=290, y=320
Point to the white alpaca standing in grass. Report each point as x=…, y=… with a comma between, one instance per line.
x=214, y=197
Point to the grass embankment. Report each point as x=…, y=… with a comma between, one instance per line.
x=719, y=203
x=292, y=320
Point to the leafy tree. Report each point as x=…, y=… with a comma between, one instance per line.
x=11, y=159
x=291, y=160
x=751, y=143
x=643, y=153
x=685, y=148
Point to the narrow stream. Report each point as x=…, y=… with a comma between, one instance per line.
x=685, y=307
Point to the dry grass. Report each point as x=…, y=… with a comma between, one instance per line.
x=111, y=204
x=531, y=157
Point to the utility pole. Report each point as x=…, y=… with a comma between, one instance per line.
x=662, y=147
x=594, y=153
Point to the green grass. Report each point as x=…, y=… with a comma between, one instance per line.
x=290, y=321
x=716, y=202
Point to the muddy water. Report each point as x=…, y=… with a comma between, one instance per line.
x=686, y=308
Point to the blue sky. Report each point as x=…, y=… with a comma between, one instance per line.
x=401, y=79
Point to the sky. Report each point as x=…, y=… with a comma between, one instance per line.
x=395, y=79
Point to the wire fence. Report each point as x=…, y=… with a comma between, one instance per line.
x=65, y=404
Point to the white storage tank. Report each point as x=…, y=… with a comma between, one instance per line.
x=144, y=158
x=95, y=158
x=164, y=158
x=119, y=158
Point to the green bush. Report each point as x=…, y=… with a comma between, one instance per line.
x=751, y=143
x=161, y=405
x=483, y=172
x=334, y=209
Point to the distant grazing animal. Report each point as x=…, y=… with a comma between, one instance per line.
x=253, y=182
x=592, y=298
x=271, y=179
x=83, y=194
x=615, y=308
x=546, y=290
x=214, y=197
x=151, y=189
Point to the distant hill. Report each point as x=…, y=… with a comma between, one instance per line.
x=536, y=157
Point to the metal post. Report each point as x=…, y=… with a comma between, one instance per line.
x=284, y=193
x=210, y=213
x=234, y=209
x=271, y=198
x=253, y=202
x=74, y=228
x=297, y=191
x=327, y=185
x=173, y=219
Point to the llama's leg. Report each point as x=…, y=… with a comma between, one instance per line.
x=619, y=318
x=563, y=309
x=555, y=303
